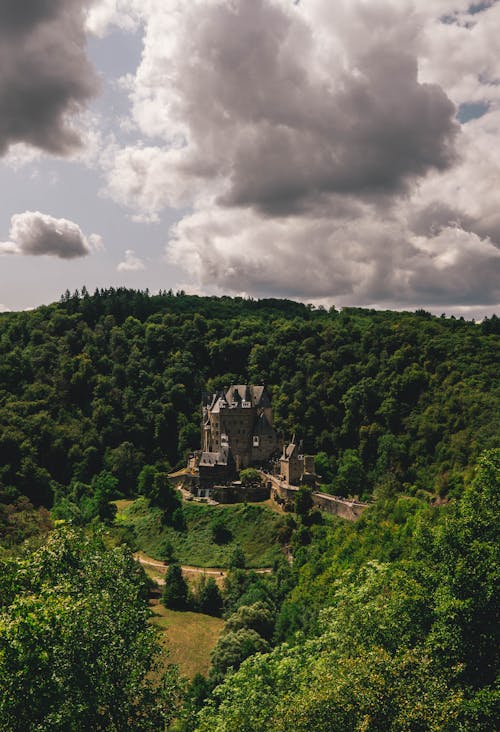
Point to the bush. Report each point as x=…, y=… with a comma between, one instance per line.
x=220, y=532
x=250, y=476
x=166, y=551
x=237, y=560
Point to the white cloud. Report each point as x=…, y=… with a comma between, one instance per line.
x=96, y=242
x=315, y=146
x=104, y=15
x=36, y=234
x=142, y=178
x=131, y=263
x=463, y=56
x=356, y=261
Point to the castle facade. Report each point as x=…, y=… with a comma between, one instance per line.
x=236, y=431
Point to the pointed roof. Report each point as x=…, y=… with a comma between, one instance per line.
x=260, y=397
x=289, y=450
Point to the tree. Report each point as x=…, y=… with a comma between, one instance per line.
x=256, y=617
x=175, y=592
x=250, y=476
x=104, y=487
x=466, y=553
x=178, y=519
x=351, y=477
x=322, y=467
x=165, y=496
x=233, y=648
x=303, y=501
x=166, y=551
x=220, y=532
x=76, y=650
x=209, y=599
x=145, y=480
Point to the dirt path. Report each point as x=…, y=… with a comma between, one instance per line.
x=189, y=570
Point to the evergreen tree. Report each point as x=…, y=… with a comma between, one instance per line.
x=175, y=591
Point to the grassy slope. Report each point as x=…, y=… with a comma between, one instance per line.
x=253, y=527
x=188, y=637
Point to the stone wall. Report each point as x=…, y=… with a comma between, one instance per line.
x=349, y=510
x=239, y=493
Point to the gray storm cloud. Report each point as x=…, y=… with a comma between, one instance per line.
x=44, y=72
x=274, y=128
x=285, y=135
x=316, y=147
x=37, y=234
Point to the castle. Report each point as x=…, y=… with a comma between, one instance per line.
x=236, y=432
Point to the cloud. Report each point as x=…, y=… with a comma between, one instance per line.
x=316, y=147
x=360, y=260
x=141, y=178
x=463, y=54
x=131, y=263
x=270, y=127
x=45, y=76
x=36, y=234
x=107, y=14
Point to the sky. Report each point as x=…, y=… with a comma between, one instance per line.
x=341, y=153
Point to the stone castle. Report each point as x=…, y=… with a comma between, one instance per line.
x=236, y=432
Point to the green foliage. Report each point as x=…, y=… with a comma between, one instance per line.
x=112, y=382
x=19, y=520
x=165, y=497
x=237, y=559
x=76, y=650
x=165, y=551
x=175, y=591
x=351, y=476
x=311, y=689
x=242, y=587
x=256, y=617
x=391, y=623
x=84, y=503
x=208, y=598
x=405, y=645
x=234, y=647
x=254, y=528
x=303, y=501
x=250, y=476
x=178, y=519
x=323, y=468
x=220, y=532
x=465, y=549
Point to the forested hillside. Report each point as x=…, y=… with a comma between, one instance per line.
x=409, y=645
x=112, y=382
x=389, y=624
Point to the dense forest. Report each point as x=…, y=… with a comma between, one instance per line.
x=113, y=382
x=387, y=624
